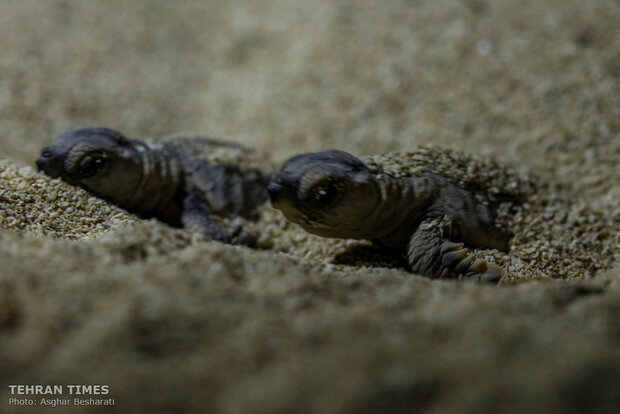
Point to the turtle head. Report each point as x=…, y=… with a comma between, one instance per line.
x=100, y=160
x=329, y=193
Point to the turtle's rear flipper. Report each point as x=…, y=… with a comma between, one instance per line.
x=197, y=218
x=431, y=254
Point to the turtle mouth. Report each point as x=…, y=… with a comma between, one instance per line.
x=310, y=221
x=300, y=218
x=50, y=165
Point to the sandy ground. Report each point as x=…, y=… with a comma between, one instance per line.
x=172, y=323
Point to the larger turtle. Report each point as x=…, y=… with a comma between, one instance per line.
x=197, y=183
x=430, y=204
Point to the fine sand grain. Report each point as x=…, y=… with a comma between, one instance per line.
x=90, y=294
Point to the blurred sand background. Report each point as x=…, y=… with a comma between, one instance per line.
x=175, y=324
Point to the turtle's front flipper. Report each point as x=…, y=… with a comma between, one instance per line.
x=431, y=254
x=197, y=218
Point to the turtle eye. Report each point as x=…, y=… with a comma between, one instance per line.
x=90, y=164
x=324, y=191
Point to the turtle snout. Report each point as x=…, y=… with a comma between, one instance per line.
x=49, y=164
x=281, y=194
x=275, y=191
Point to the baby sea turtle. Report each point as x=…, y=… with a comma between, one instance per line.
x=428, y=204
x=197, y=183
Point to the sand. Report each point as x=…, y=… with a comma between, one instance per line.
x=90, y=294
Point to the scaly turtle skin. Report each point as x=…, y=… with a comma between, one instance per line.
x=428, y=204
x=192, y=182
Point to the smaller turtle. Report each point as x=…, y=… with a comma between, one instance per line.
x=428, y=204
x=192, y=182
